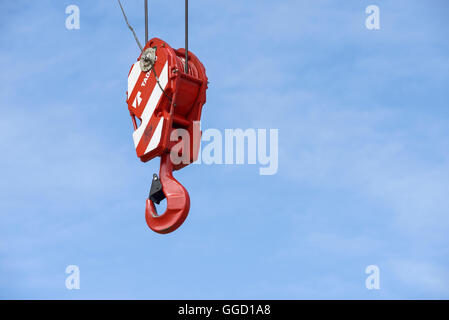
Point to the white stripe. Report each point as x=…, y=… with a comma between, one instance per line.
x=151, y=105
x=133, y=76
x=156, y=137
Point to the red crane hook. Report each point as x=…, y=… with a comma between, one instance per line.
x=178, y=200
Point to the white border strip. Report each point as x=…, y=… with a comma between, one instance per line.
x=151, y=105
x=133, y=77
x=156, y=137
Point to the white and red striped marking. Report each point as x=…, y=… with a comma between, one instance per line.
x=144, y=95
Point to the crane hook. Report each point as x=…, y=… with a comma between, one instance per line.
x=178, y=200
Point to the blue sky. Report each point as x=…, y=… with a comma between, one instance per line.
x=363, y=176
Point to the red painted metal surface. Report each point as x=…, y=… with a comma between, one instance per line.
x=178, y=201
x=162, y=100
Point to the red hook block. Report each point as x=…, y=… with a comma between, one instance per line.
x=166, y=93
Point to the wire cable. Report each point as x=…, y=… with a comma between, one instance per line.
x=186, y=67
x=129, y=26
x=146, y=38
x=159, y=84
x=146, y=21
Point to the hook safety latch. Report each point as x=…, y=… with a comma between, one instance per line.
x=178, y=200
x=156, y=194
